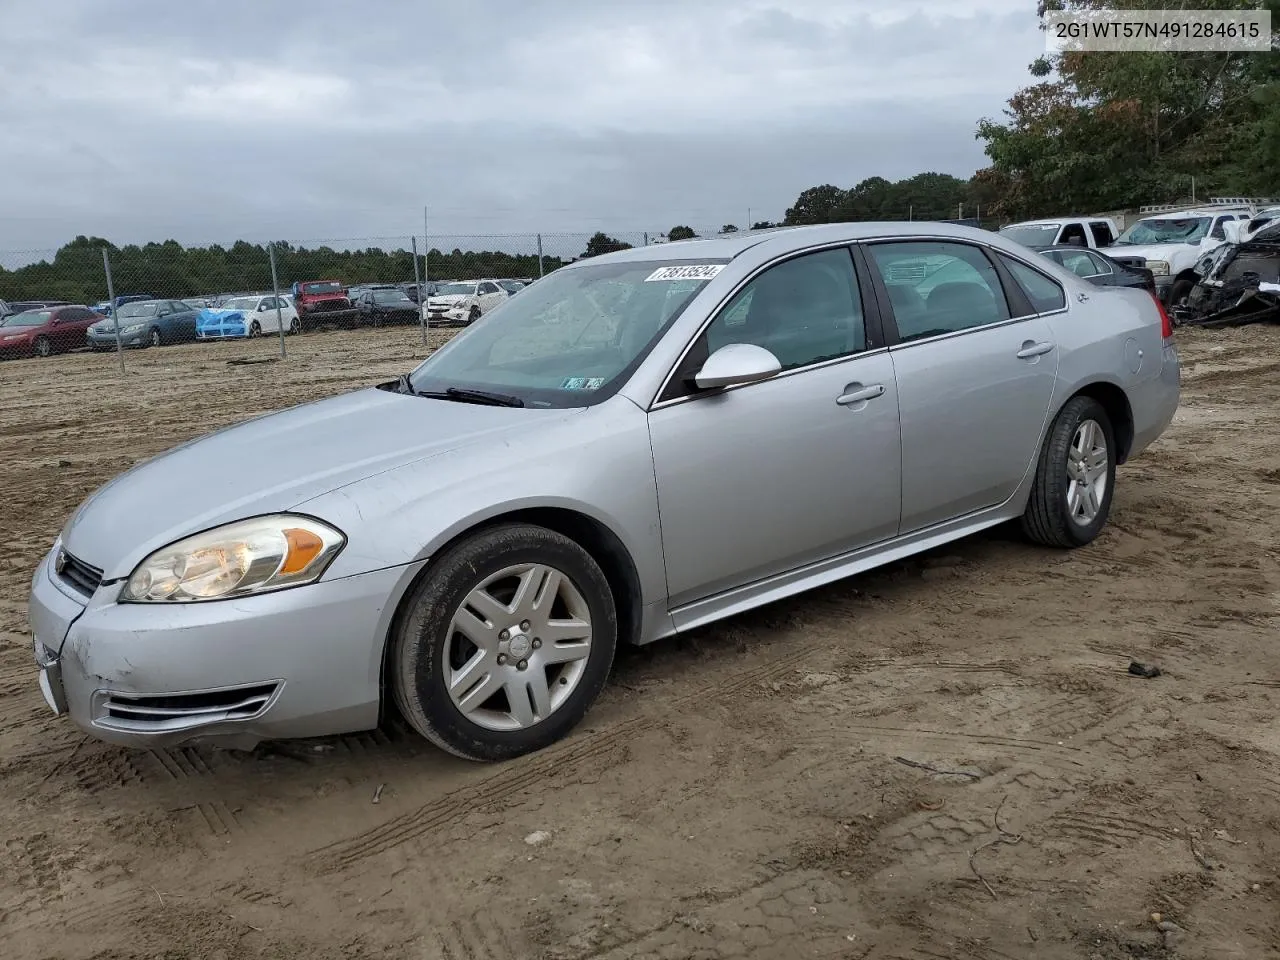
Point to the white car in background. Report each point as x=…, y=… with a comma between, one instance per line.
x=247, y=317
x=464, y=301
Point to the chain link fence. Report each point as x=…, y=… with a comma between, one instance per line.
x=262, y=301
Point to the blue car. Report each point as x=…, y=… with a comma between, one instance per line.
x=146, y=323
x=250, y=316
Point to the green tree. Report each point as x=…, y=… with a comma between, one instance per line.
x=681, y=233
x=728, y=228
x=603, y=243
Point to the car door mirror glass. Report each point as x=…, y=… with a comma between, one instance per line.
x=737, y=363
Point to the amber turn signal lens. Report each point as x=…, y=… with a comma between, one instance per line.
x=304, y=546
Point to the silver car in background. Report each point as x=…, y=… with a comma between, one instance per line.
x=637, y=445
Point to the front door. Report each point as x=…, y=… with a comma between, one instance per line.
x=759, y=479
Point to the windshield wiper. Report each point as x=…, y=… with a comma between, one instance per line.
x=460, y=395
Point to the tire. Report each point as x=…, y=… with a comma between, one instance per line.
x=155, y=339
x=1180, y=290
x=428, y=649
x=1058, y=513
x=255, y=329
x=293, y=326
x=43, y=347
x=474, y=315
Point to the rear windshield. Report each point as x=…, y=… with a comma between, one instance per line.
x=327, y=287
x=1031, y=235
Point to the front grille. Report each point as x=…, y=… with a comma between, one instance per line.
x=1137, y=262
x=327, y=305
x=77, y=573
x=176, y=711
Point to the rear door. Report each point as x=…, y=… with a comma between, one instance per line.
x=975, y=365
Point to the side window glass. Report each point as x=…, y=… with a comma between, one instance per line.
x=1102, y=235
x=939, y=287
x=1100, y=267
x=1073, y=233
x=803, y=311
x=1218, y=232
x=1044, y=294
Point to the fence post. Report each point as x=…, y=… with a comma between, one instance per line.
x=426, y=264
x=275, y=288
x=541, y=272
x=646, y=238
x=115, y=307
x=422, y=297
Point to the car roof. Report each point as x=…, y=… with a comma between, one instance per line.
x=779, y=240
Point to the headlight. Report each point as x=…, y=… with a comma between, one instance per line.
x=1159, y=268
x=249, y=556
x=133, y=328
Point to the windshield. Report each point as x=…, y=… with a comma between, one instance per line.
x=511, y=286
x=241, y=303
x=1031, y=234
x=455, y=290
x=1155, y=230
x=567, y=341
x=33, y=318
x=391, y=296
x=137, y=310
x=331, y=286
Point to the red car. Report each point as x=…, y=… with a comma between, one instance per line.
x=45, y=332
x=322, y=301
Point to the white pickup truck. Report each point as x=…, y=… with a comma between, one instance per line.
x=1095, y=232
x=1171, y=245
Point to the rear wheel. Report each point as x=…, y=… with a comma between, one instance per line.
x=155, y=339
x=44, y=348
x=1075, y=477
x=505, y=644
x=255, y=329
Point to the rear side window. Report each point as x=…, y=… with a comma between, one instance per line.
x=1045, y=294
x=938, y=287
x=1102, y=235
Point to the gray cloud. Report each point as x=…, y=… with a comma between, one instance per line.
x=215, y=121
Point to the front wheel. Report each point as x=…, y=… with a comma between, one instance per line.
x=1075, y=477
x=474, y=315
x=505, y=644
x=155, y=339
x=1180, y=290
x=293, y=325
x=255, y=329
x=44, y=348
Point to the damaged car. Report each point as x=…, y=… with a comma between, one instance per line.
x=1239, y=283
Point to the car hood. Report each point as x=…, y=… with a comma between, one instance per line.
x=1149, y=251
x=271, y=464
x=448, y=300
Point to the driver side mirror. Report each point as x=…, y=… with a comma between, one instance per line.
x=262, y=308
x=737, y=363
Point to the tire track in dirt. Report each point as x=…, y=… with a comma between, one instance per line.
x=561, y=760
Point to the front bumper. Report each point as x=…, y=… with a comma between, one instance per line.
x=295, y=663
x=108, y=341
x=17, y=348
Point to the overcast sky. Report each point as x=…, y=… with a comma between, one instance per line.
x=212, y=121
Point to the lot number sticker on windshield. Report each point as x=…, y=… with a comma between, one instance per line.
x=702, y=271
x=582, y=383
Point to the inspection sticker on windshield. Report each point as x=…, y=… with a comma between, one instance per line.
x=695, y=271
x=582, y=383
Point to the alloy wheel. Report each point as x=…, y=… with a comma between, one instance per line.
x=1088, y=472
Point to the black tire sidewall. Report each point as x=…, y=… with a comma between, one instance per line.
x=473, y=315
x=1180, y=290
x=1064, y=431
x=255, y=329
x=421, y=644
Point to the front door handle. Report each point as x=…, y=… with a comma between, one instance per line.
x=856, y=393
x=1032, y=349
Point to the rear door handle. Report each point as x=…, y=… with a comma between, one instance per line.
x=860, y=394
x=1032, y=349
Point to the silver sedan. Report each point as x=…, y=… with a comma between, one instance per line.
x=639, y=444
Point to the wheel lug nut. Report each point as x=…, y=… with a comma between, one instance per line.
x=537, y=644
x=502, y=658
x=523, y=664
x=504, y=635
x=524, y=625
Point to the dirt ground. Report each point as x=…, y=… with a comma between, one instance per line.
x=946, y=758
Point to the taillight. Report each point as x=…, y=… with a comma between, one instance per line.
x=1166, y=325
